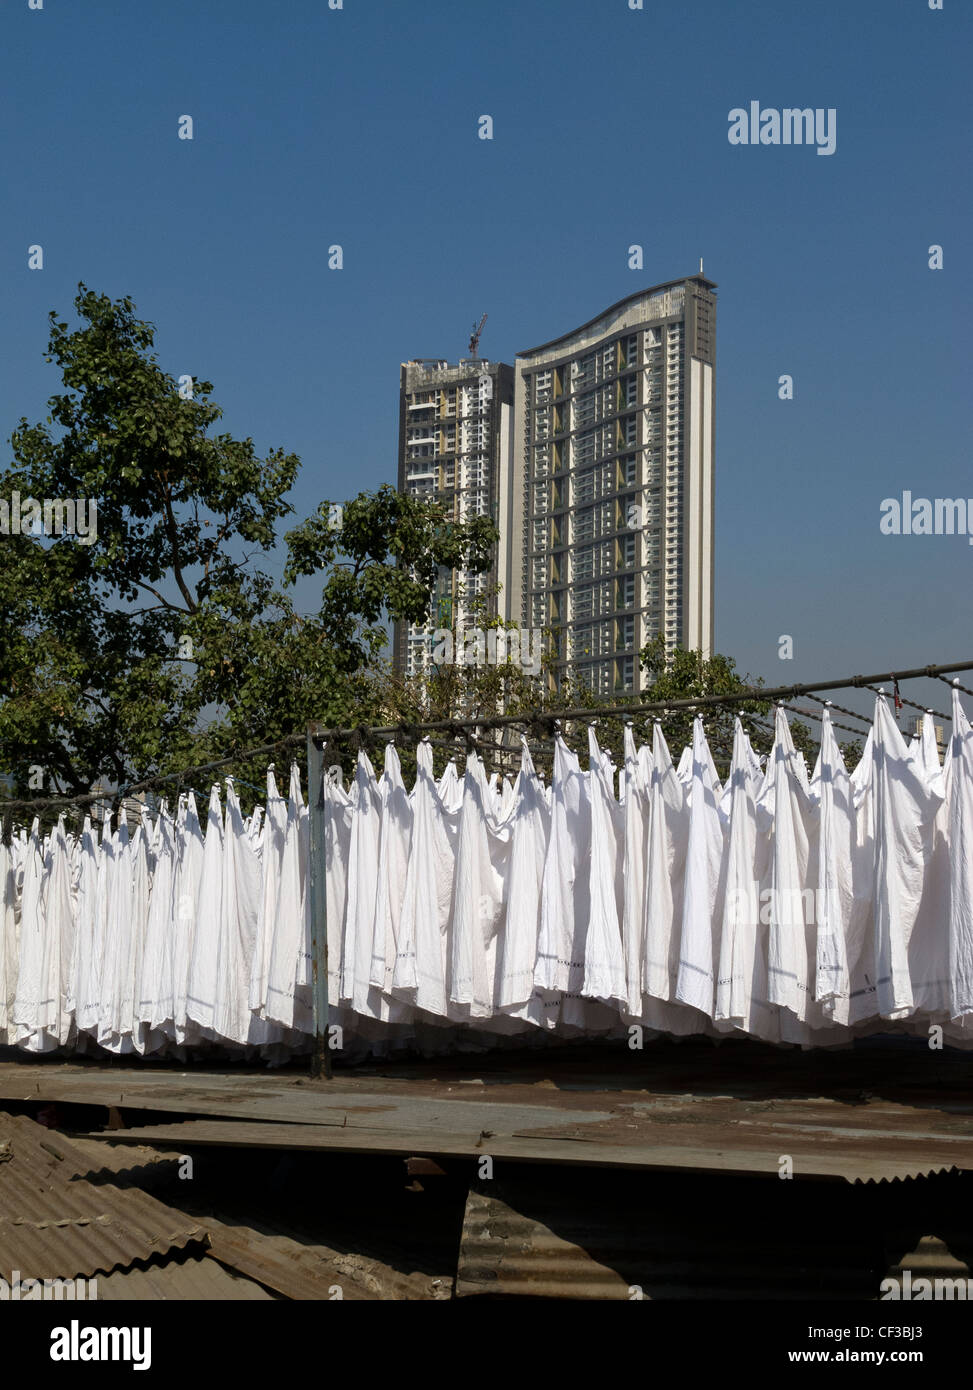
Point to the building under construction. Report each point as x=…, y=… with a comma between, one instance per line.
x=455, y=438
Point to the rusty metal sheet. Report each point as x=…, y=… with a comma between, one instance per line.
x=931, y=1259
x=680, y=1236
x=123, y=1163
x=884, y=1110
x=195, y=1278
x=54, y=1225
x=256, y=1135
x=902, y=1071
x=304, y=1272
x=503, y=1252
x=697, y=1148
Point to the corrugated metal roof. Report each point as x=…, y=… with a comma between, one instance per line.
x=882, y=1110
x=689, y=1236
x=54, y=1225
x=293, y=1270
x=124, y=1163
x=192, y=1277
x=623, y=1143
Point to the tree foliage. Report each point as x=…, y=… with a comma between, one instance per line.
x=167, y=642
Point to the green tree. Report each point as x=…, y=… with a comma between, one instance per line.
x=488, y=683
x=684, y=675
x=165, y=643
x=676, y=676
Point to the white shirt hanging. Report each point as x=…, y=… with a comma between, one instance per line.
x=423, y=950
x=703, y=891
x=271, y=859
x=201, y=986
x=959, y=784
x=288, y=1003
x=186, y=880
x=604, y=971
x=530, y=833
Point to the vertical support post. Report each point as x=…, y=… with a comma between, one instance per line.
x=317, y=888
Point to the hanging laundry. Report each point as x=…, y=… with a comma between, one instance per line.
x=201, y=984
x=155, y=1007
x=742, y=994
x=958, y=784
x=425, y=928
x=792, y=939
x=787, y=908
x=565, y=902
x=604, y=961
x=237, y=933
x=395, y=837
x=704, y=882
x=288, y=1003
x=530, y=821
x=481, y=877
x=271, y=856
x=186, y=880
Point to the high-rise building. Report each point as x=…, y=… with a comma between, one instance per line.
x=608, y=522
x=455, y=438
x=941, y=740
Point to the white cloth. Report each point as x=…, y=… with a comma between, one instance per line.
x=604, y=960
x=898, y=817
x=155, y=1009
x=791, y=909
x=665, y=871
x=425, y=927
x=186, y=879
x=395, y=837
x=791, y=947
x=237, y=935
x=704, y=883
x=271, y=860
x=287, y=1001
x=201, y=987
x=742, y=988
x=959, y=784
x=565, y=903
x=530, y=833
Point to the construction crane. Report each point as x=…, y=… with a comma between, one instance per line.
x=475, y=336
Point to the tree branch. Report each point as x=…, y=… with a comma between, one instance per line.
x=174, y=543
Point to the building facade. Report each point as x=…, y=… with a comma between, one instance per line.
x=608, y=522
x=455, y=441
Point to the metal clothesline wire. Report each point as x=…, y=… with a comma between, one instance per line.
x=532, y=722
x=947, y=681
x=751, y=695
x=146, y=784
x=923, y=709
x=842, y=709
x=813, y=714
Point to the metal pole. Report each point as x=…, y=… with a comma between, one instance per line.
x=317, y=887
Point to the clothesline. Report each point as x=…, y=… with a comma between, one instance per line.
x=947, y=680
x=550, y=719
x=923, y=709
x=790, y=904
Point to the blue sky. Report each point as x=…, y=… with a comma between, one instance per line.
x=359, y=126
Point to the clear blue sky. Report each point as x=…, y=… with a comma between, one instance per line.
x=359, y=126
